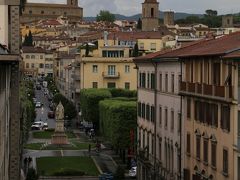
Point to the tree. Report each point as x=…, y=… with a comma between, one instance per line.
x=139, y=24
x=87, y=50
x=135, y=50
x=32, y=175
x=30, y=39
x=210, y=12
x=105, y=16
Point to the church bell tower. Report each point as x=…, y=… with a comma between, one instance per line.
x=72, y=3
x=150, y=15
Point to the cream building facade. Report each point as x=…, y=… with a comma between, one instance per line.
x=37, y=62
x=9, y=91
x=159, y=117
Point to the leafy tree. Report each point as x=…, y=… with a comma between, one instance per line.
x=105, y=16
x=210, y=12
x=135, y=50
x=139, y=24
x=28, y=40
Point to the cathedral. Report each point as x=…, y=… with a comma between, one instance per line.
x=37, y=11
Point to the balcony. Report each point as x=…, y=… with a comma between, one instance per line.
x=209, y=91
x=116, y=75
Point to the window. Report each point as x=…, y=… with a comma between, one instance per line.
x=42, y=12
x=111, y=85
x=152, y=12
x=143, y=110
x=179, y=81
x=188, y=144
x=166, y=82
x=172, y=120
x=188, y=108
x=40, y=65
x=225, y=161
x=205, y=150
x=225, y=117
x=127, y=85
x=148, y=80
x=213, y=154
x=47, y=66
x=160, y=82
x=32, y=65
x=152, y=114
x=172, y=83
x=95, y=68
x=27, y=65
x=141, y=46
x=153, y=47
x=142, y=80
x=27, y=57
x=127, y=68
x=95, y=84
x=152, y=81
x=198, y=146
x=41, y=56
x=160, y=116
x=30, y=12
x=139, y=109
x=111, y=70
x=32, y=56
x=166, y=118
x=147, y=112
x=179, y=122
x=160, y=150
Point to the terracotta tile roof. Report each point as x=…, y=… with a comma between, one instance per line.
x=208, y=47
x=235, y=54
x=31, y=49
x=151, y=55
x=133, y=36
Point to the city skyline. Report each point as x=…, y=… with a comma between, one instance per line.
x=133, y=7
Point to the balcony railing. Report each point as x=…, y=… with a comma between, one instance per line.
x=113, y=76
x=206, y=89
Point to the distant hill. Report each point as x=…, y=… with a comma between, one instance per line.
x=178, y=15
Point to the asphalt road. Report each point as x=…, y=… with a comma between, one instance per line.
x=42, y=113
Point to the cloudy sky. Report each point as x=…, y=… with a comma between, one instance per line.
x=131, y=7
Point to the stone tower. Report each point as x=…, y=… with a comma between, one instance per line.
x=168, y=18
x=150, y=15
x=72, y=2
x=227, y=21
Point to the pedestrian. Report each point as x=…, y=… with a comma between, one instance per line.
x=29, y=160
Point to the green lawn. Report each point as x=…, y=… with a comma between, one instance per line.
x=48, y=134
x=75, y=146
x=48, y=165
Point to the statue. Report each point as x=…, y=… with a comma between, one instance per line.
x=59, y=137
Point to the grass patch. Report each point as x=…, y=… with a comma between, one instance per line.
x=48, y=134
x=74, y=146
x=49, y=166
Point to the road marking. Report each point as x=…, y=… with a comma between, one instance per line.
x=62, y=153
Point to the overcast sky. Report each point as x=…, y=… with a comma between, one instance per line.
x=131, y=7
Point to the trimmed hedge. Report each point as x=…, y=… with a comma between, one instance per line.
x=117, y=118
x=68, y=172
x=117, y=92
x=89, y=104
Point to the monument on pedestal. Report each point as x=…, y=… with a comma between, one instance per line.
x=59, y=137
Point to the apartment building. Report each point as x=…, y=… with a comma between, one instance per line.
x=9, y=91
x=37, y=62
x=159, y=116
x=210, y=94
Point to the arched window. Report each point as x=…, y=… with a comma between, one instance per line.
x=152, y=12
x=32, y=56
x=27, y=57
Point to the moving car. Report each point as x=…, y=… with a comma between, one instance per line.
x=51, y=115
x=38, y=104
x=37, y=125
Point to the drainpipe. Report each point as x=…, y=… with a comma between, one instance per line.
x=181, y=113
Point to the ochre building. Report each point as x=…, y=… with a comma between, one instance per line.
x=39, y=11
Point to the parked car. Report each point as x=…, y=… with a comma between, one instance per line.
x=51, y=115
x=38, y=104
x=133, y=172
x=45, y=126
x=37, y=125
